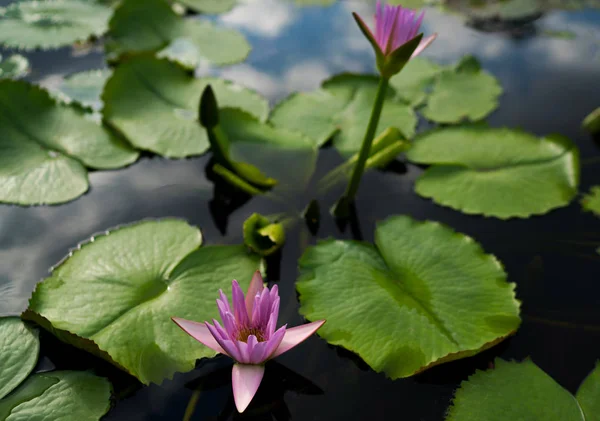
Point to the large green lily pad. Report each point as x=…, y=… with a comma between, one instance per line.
x=121, y=290
x=421, y=296
x=52, y=23
x=59, y=395
x=522, y=391
x=152, y=25
x=14, y=67
x=496, y=172
x=588, y=395
x=464, y=93
x=341, y=109
x=46, y=162
x=154, y=103
x=209, y=6
x=20, y=347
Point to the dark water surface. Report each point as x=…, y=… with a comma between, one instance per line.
x=550, y=85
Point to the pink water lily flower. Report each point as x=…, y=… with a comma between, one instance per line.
x=248, y=335
x=395, y=28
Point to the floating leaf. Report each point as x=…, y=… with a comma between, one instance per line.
x=413, y=82
x=465, y=92
x=84, y=88
x=264, y=155
x=591, y=201
x=422, y=295
x=45, y=162
x=519, y=391
x=588, y=395
x=14, y=67
x=20, y=347
x=154, y=103
x=341, y=109
x=209, y=6
x=592, y=122
x=152, y=25
x=120, y=291
x=496, y=172
x=59, y=395
x=262, y=235
x=51, y=23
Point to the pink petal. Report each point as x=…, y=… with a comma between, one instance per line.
x=423, y=44
x=274, y=341
x=199, y=332
x=245, y=380
x=256, y=286
x=226, y=344
x=239, y=306
x=296, y=335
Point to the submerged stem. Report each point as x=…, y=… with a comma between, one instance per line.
x=359, y=169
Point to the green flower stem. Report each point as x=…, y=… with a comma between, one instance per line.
x=359, y=169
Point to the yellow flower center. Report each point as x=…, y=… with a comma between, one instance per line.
x=244, y=333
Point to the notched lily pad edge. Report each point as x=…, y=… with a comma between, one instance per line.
x=75, y=340
x=309, y=274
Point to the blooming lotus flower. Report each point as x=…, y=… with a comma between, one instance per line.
x=396, y=38
x=248, y=335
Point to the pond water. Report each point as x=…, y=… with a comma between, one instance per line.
x=550, y=84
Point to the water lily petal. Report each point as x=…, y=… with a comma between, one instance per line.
x=295, y=335
x=245, y=380
x=239, y=305
x=256, y=286
x=227, y=345
x=199, y=332
x=274, y=342
x=423, y=44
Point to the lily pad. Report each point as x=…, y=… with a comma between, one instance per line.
x=20, y=347
x=49, y=24
x=503, y=173
x=591, y=201
x=209, y=6
x=420, y=296
x=154, y=103
x=152, y=25
x=520, y=391
x=84, y=88
x=417, y=77
x=464, y=93
x=115, y=295
x=46, y=162
x=59, y=395
x=14, y=67
x=341, y=109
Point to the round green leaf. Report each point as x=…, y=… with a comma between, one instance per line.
x=421, y=296
x=513, y=391
x=412, y=82
x=591, y=201
x=342, y=108
x=59, y=395
x=45, y=162
x=20, y=347
x=496, y=172
x=209, y=6
x=14, y=67
x=588, y=395
x=51, y=23
x=263, y=236
x=121, y=290
x=152, y=25
x=84, y=88
x=465, y=93
x=154, y=103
